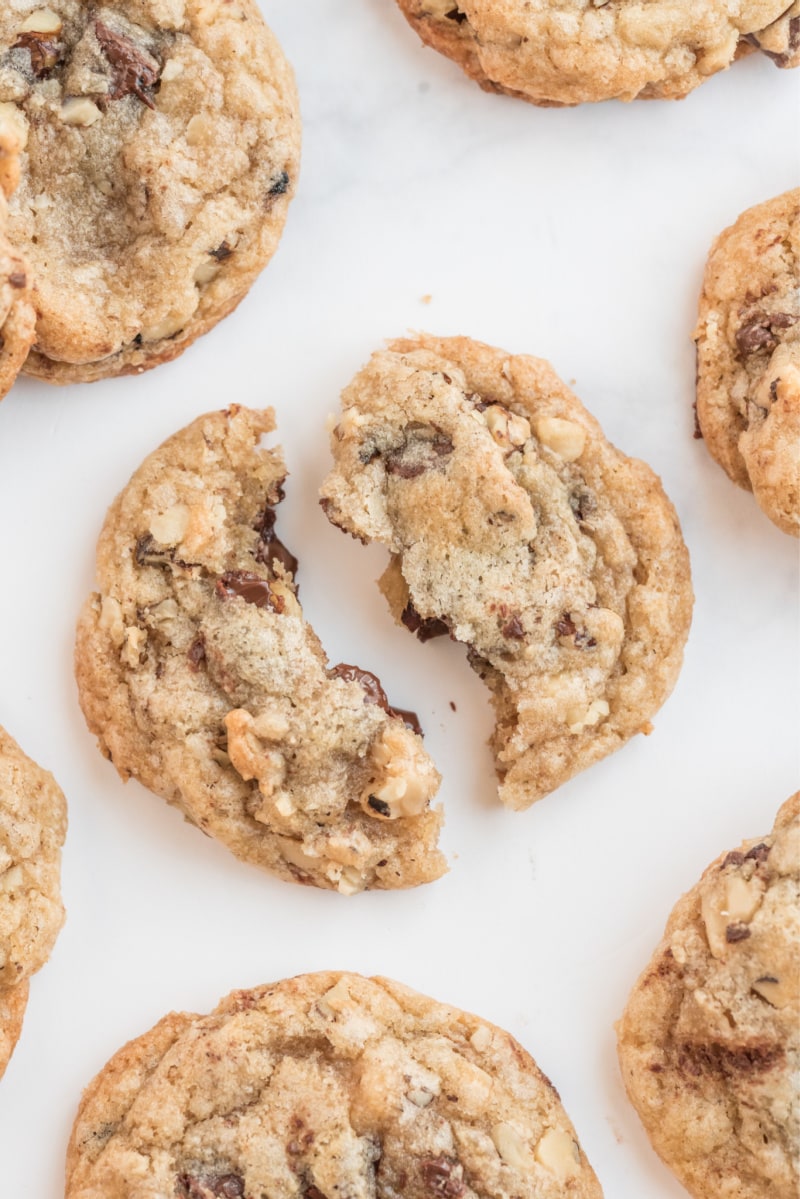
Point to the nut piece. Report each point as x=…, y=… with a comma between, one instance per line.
x=44, y=20
x=206, y=272
x=563, y=437
x=80, y=111
x=578, y=721
x=733, y=900
x=508, y=429
x=169, y=527
x=481, y=1039
x=15, y=121
x=774, y=990
x=512, y=1148
x=172, y=70
x=403, y=781
x=558, y=1153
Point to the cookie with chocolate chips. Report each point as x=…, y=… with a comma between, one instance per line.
x=17, y=314
x=748, y=356
x=200, y=676
x=33, y=820
x=573, y=51
x=515, y=525
x=161, y=148
x=709, y=1044
x=322, y=1086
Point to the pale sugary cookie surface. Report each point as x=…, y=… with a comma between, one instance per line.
x=13, y=1001
x=748, y=356
x=709, y=1044
x=161, y=146
x=324, y=1086
x=201, y=677
x=514, y=525
x=555, y=52
x=33, y=823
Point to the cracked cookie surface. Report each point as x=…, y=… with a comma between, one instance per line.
x=709, y=1044
x=161, y=149
x=588, y=50
x=748, y=356
x=33, y=824
x=515, y=525
x=17, y=314
x=325, y=1085
x=201, y=677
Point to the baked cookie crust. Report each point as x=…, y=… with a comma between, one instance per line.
x=515, y=526
x=201, y=678
x=13, y=1001
x=161, y=148
x=588, y=50
x=17, y=314
x=324, y=1085
x=748, y=356
x=709, y=1044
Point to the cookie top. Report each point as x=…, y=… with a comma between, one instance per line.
x=161, y=146
x=518, y=528
x=578, y=50
x=201, y=677
x=13, y=1001
x=319, y=1086
x=709, y=1044
x=33, y=824
x=748, y=356
x=17, y=314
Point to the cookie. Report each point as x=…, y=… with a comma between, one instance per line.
x=709, y=1044
x=201, y=677
x=13, y=1001
x=573, y=51
x=516, y=527
x=748, y=356
x=17, y=314
x=321, y=1086
x=33, y=824
x=161, y=152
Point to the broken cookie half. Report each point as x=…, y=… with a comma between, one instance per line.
x=201, y=678
x=515, y=526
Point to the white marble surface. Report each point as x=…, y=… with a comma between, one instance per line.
x=576, y=235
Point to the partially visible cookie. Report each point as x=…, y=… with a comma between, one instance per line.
x=201, y=677
x=13, y=1001
x=17, y=314
x=321, y=1086
x=709, y=1044
x=33, y=823
x=573, y=51
x=515, y=526
x=161, y=148
x=748, y=355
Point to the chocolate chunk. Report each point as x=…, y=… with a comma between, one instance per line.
x=196, y=654
x=280, y=186
x=456, y=14
x=736, y=932
x=374, y=693
x=734, y=858
x=132, y=72
x=18, y=279
x=379, y=805
x=426, y=627
x=422, y=446
x=209, y=1186
x=222, y=252
x=270, y=547
x=249, y=587
x=566, y=627
x=758, y=333
x=784, y=59
x=759, y=853
x=513, y=629
x=439, y=1177
x=45, y=52
x=717, y=1058
x=405, y=470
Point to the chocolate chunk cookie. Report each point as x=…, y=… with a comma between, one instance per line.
x=321, y=1086
x=13, y=1001
x=579, y=50
x=514, y=525
x=200, y=676
x=33, y=822
x=17, y=314
x=161, y=150
x=748, y=356
x=709, y=1044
